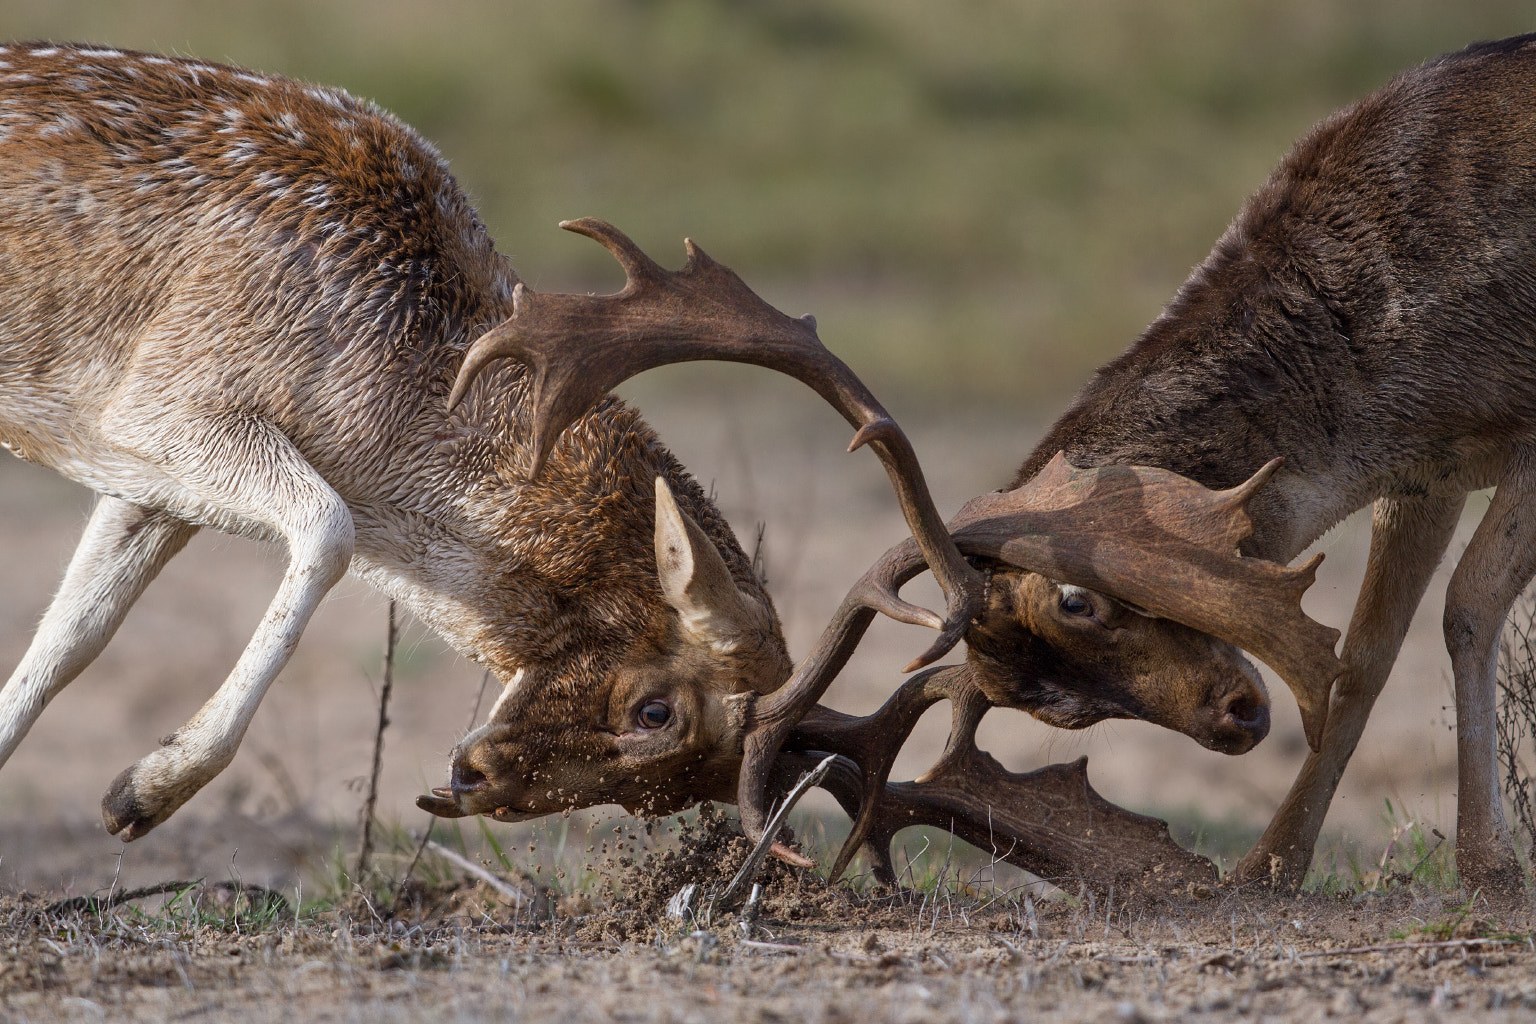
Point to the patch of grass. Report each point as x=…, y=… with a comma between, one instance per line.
x=1414, y=854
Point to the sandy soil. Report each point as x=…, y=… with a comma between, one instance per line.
x=808, y=952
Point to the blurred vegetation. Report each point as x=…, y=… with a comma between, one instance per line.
x=981, y=200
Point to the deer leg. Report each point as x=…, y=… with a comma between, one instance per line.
x=1499, y=561
x=123, y=548
x=1408, y=538
x=253, y=471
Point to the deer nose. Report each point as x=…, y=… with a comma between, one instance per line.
x=466, y=778
x=1245, y=713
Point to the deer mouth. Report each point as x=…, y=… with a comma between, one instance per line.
x=444, y=803
x=441, y=802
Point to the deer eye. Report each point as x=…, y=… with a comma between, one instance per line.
x=655, y=714
x=1074, y=603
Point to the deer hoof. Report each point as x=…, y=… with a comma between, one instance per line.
x=124, y=813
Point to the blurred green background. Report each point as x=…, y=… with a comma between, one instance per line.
x=980, y=200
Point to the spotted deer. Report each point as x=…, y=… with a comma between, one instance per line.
x=233, y=300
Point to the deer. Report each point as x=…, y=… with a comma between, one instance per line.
x=1369, y=316
x=233, y=300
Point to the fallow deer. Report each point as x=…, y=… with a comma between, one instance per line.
x=233, y=300
x=1370, y=316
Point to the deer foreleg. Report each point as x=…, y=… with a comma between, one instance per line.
x=1408, y=538
x=123, y=548
x=255, y=472
x=1498, y=563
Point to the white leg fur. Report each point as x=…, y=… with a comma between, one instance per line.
x=264, y=477
x=123, y=548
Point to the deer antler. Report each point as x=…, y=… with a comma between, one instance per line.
x=579, y=347
x=1050, y=822
x=1148, y=536
x=1166, y=544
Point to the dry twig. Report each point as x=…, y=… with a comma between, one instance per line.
x=366, y=849
x=98, y=904
x=1390, y=947
x=1516, y=725
x=502, y=887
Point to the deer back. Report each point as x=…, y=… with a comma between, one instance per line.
x=241, y=240
x=1369, y=314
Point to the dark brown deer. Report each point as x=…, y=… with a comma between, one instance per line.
x=232, y=300
x=1370, y=316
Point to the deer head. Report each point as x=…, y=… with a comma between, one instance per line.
x=654, y=730
x=1072, y=658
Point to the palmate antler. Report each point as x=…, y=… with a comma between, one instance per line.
x=1166, y=544
x=1148, y=536
x=1049, y=821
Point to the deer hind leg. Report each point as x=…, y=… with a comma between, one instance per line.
x=1408, y=538
x=1499, y=561
x=249, y=470
x=123, y=548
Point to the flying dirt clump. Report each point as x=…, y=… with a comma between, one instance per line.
x=704, y=850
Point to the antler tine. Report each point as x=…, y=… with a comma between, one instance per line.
x=776, y=714
x=1244, y=492
x=872, y=743
x=638, y=267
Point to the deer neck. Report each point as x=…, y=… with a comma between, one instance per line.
x=518, y=574
x=1242, y=367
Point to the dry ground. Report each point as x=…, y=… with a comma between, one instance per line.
x=813, y=953
x=275, y=818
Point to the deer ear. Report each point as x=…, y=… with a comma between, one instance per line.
x=694, y=578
